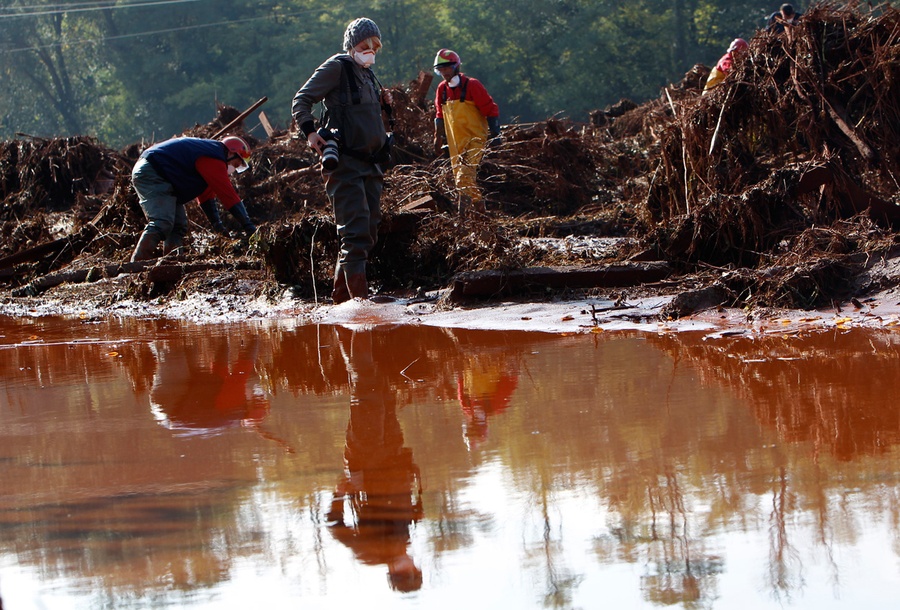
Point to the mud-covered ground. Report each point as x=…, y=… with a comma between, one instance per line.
x=775, y=196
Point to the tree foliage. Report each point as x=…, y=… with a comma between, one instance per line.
x=129, y=70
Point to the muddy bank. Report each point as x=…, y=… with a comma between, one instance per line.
x=776, y=191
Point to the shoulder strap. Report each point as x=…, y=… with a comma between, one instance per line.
x=463, y=82
x=349, y=80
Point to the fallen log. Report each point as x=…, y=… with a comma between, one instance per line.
x=77, y=241
x=156, y=273
x=40, y=251
x=493, y=283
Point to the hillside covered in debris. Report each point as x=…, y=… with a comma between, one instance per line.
x=779, y=188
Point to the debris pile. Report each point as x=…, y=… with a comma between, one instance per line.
x=778, y=188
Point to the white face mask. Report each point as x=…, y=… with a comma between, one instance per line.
x=454, y=82
x=365, y=58
x=230, y=169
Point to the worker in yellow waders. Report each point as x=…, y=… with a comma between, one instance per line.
x=466, y=115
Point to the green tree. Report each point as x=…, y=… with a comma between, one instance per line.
x=146, y=70
x=49, y=72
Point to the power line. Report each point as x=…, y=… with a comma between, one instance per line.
x=152, y=32
x=58, y=9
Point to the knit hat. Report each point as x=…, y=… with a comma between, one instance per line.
x=358, y=30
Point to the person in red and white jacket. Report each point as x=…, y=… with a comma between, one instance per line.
x=725, y=63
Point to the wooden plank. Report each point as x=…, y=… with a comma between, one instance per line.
x=239, y=118
x=266, y=124
x=423, y=84
x=493, y=283
x=422, y=204
x=36, y=252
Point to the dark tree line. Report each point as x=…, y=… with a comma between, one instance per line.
x=126, y=71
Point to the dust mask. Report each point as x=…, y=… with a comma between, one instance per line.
x=454, y=82
x=365, y=58
x=231, y=169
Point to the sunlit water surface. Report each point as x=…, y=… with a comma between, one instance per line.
x=169, y=465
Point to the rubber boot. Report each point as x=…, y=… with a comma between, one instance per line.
x=358, y=286
x=146, y=247
x=173, y=245
x=340, y=293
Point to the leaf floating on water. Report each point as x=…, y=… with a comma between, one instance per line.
x=112, y=354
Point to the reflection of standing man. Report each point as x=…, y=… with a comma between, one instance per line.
x=379, y=496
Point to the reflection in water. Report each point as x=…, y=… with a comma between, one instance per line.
x=485, y=383
x=626, y=470
x=832, y=393
x=380, y=494
x=202, y=388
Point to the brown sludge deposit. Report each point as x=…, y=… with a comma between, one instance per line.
x=778, y=189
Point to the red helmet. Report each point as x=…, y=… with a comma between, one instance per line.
x=446, y=58
x=237, y=146
x=738, y=44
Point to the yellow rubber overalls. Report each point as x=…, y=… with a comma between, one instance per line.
x=467, y=132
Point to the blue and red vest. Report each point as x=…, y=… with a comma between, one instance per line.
x=175, y=160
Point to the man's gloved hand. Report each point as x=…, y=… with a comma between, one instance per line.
x=240, y=213
x=439, y=146
x=494, y=140
x=212, y=215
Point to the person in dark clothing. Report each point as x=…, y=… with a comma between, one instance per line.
x=785, y=16
x=172, y=173
x=353, y=100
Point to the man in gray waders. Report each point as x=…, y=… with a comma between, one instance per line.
x=354, y=146
x=177, y=171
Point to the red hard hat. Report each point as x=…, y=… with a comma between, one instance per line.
x=446, y=57
x=237, y=146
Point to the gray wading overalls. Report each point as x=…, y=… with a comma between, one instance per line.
x=352, y=99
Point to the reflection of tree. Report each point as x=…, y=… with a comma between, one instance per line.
x=830, y=395
x=834, y=391
x=680, y=571
x=781, y=553
x=380, y=496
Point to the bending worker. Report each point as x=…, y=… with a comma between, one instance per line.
x=725, y=64
x=466, y=115
x=354, y=145
x=172, y=173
